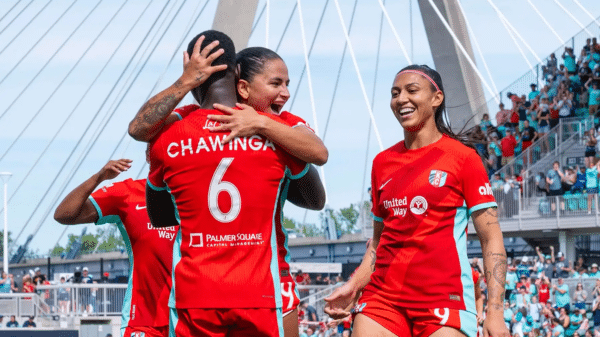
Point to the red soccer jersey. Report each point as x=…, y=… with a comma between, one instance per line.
x=424, y=198
x=544, y=293
x=225, y=255
x=150, y=252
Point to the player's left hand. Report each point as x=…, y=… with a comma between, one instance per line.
x=495, y=327
x=242, y=123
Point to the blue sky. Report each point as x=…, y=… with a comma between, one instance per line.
x=347, y=131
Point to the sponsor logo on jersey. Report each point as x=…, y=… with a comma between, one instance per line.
x=226, y=240
x=381, y=187
x=398, y=205
x=196, y=240
x=138, y=334
x=437, y=178
x=138, y=207
x=211, y=124
x=418, y=205
x=165, y=232
x=214, y=143
x=454, y=297
x=485, y=190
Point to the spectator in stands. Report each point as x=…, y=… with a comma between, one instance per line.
x=29, y=323
x=553, y=178
x=580, y=181
x=590, y=146
x=549, y=263
x=593, y=96
x=508, y=144
x=495, y=154
x=13, y=322
x=543, y=118
x=553, y=120
x=562, y=265
x=502, y=116
x=569, y=179
x=552, y=62
x=28, y=286
x=579, y=296
x=523, y=299
x=594, y=273
x=564, y=105
x=310, y=312
x=64, y=297
x=591, y=183
x=511, y=283
x=485, y=123
x=534, y=92
x=479, y=139
x=5, y=283
x=561, y=294
x=535, y=309
x=585, y=71
x=508, y=314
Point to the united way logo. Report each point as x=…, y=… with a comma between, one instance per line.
x=437, y=178
x=138, y=334
x=418, y=205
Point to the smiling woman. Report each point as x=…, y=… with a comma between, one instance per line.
x=424, y=189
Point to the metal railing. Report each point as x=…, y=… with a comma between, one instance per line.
x=104, y=299
x=23, y=305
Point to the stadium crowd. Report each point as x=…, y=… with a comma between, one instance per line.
x=571, y=89
x=539, y=302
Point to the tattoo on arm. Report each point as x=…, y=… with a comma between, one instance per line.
x=373, y=258
x=152, y=114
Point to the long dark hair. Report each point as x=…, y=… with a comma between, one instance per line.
x=441, y=123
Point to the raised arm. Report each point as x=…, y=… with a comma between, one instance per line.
x=341, y=301
x=76, y=207
x=494, y=264
x=308, y=192
x=298, y=141
x=197, y=68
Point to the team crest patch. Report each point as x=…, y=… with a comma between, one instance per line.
x=437, y=178
x=138, y=334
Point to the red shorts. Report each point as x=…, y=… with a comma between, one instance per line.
x=228, y=322
x=147, y=331
x=416, y=322
x=289, y=297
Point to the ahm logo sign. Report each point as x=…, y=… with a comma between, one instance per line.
x=196, y=240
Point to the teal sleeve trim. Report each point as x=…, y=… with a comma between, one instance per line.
x=299, y=175
x=103, y=219
x=156, y=188
x=178, y=115
x=482, y=206
x=376, y=218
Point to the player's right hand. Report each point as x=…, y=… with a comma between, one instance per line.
x=113, y=168
x=341, y=301
x=197, y=68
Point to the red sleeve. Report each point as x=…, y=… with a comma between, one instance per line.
x=376, y=211
x=185, y=110
x=156, y=174
x=109, y=201
x=296, y=167
x=293, y=120
x=475, y=184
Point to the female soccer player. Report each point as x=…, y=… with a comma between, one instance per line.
x=416, y=279
x=263, y=87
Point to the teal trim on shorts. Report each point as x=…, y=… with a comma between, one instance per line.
x=176, y=259
x=468, y=320
x=279, y=312
x=101, y=218
x=156, y=188
x=173, y=320
x=274, y=256
x=126, y=311
x=482, y=206
x=468, y=323
x=376, y=218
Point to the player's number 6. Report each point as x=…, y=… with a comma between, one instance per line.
x=217, y=186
